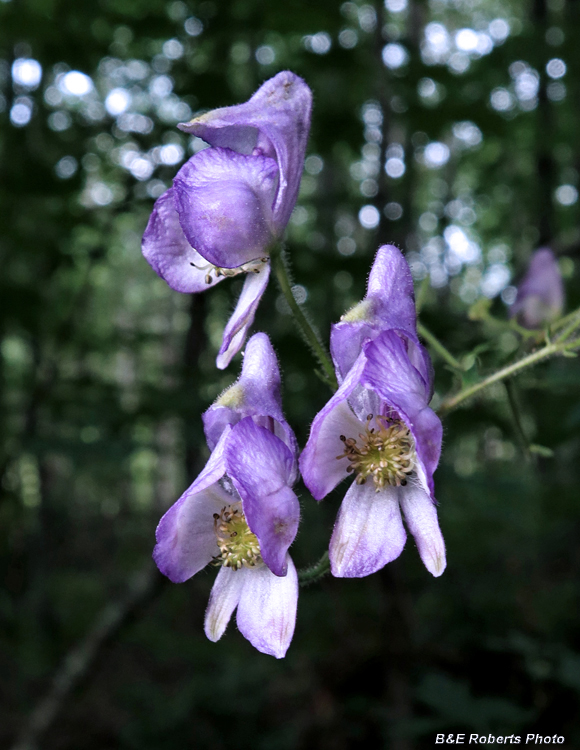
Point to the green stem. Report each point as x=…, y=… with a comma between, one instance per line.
x=309, y=334
x=563, y=321
x=315, y=572
x=570, y=328
x=519, y=428
x=437, y=346
x=506, y=372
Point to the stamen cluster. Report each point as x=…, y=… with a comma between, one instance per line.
x=386, y=454
x=253, y=266
x=238, y=545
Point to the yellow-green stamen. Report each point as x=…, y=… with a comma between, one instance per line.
x=386, y=453
x=238, y=545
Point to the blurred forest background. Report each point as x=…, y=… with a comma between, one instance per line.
x=449, y=127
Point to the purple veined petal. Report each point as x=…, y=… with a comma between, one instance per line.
x=242, y=318
x=368, y=533
x=267, y=608
x=224, y=204
x=223, y=599
x=540, y=296
x=391, y=375
x=260, y=466
x=186, y=540
x=185, y=535
x=319, y=466
x=421, y=361
x=275, y=121
x=421, y=518
x=168, y=252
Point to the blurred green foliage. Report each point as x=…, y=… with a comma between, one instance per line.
x=104, y=371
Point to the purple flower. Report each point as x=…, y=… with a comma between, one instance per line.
x=241, y=512
x=540, y=297
x=389, y=304
x=379, y=428
x=230, y=203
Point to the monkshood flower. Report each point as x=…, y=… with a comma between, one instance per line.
x=389, y=304
x=379, y=429
x=230, y=203
x=241, y=513
x=540, y=296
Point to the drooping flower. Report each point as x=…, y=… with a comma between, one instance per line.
x=389, y=304
x=379, y=429
x=231, y=202
x=540, y=295
x=241, y=513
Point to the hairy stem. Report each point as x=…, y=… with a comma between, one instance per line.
x=315, y=572
x=309, y=334
x=438, y=347
x=559, y=347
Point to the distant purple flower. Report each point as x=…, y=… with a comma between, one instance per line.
x=540, y=297
x=379, y=428
x=232, y=201
x=389, y=304
x=241, y=512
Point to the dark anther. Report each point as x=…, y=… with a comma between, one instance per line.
x=216, y=516
x=343, y=438
x=233, y=534
x=403, y=482
x=369, y=416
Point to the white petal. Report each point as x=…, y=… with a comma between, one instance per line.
x=368, y=533
x=421, y=517
x=223, y=599
x=267, y=609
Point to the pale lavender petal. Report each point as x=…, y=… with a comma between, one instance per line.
x=168, y=252
x=242, y=318
x=368, y=533
x=540, y=296
x=267, y=608
x=223, y=599
x=186, y=540
x=421, y=518
x=275, y=121
x=224, y=204
x=320, y=468
x=260, y=465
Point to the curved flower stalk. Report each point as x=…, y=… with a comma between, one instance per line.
x=389, y=304
x=241, y=513
x=230, y=203
x=540, y=296
x=379, y=428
